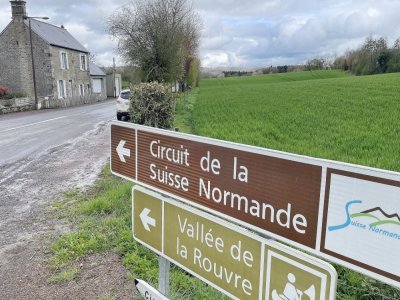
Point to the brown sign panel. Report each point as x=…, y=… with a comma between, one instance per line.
x=274, y=194
x=123, y=156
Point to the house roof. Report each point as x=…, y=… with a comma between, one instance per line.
x=95, y=70
x=56, y=36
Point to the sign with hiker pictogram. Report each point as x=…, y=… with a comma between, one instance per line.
x=233, y=260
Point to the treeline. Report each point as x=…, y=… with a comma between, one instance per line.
x=283, y=69
x=236, y=73
x=373, y=57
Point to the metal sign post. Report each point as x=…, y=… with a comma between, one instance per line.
x=163, y=275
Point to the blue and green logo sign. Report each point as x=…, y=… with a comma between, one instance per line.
x=372, y=220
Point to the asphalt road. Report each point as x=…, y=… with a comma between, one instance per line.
x=29, y=134
x=43, y=154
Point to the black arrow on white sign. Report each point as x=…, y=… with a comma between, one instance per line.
x=147, y=291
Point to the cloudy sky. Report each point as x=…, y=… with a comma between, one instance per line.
x=239, y=33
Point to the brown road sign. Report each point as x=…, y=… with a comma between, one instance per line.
x=271, y=193
x=275, y=195
x=233, y=260
x=282, y=195
x=123, y=151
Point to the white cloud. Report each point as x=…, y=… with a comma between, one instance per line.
x=5, y=18
x=301, y=30
x=241, y=33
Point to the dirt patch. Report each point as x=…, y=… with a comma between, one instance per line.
x=99, y=275
x=28, y=189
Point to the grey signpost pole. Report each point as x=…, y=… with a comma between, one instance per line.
x=163, y=275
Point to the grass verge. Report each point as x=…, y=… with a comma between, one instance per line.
x=103, y=221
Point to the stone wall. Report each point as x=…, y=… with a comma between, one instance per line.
x=16, y=105
x=43, y=67
x=16, y=63
x=15, y=59
x=73, y=73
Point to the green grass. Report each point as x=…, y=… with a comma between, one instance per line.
x=64, y=276
x=107, y=297
x=351, y=119
x=184, y=111
x=325, y=114
x=103, y=220
x=125, y=84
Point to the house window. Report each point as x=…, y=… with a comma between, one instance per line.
x=61, y=89
x=97, y=84
x=83, y=64
x=71, y=88
x=64, y=60
x=81, y=90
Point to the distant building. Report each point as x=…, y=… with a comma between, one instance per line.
x=114, y=84
x=62, y=68
x=99, y=84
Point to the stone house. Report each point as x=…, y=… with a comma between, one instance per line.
x=62, y=68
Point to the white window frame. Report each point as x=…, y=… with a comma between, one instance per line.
x=82, y=90
x=71, y=88
x=61, y=89
x=83, y=62
x=64, y=64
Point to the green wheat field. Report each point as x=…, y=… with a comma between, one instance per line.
x=326, y=114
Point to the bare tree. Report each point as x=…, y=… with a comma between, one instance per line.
x=158, y=36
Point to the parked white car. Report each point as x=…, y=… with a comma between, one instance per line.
x=123, y=104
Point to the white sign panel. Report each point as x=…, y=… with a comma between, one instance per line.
x=147, y=291
x=362, y=222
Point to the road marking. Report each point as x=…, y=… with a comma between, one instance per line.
x=27, y=125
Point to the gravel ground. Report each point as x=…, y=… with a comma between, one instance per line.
x=28, y=187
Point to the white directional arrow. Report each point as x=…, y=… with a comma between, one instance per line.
x=146, y=219
x=122, y=152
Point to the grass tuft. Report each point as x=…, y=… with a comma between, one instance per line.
x=64, y=276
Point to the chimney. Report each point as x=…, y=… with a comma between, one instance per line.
x=18, y=9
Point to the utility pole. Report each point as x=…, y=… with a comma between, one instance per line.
x=115, y=89
x=33, y=60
